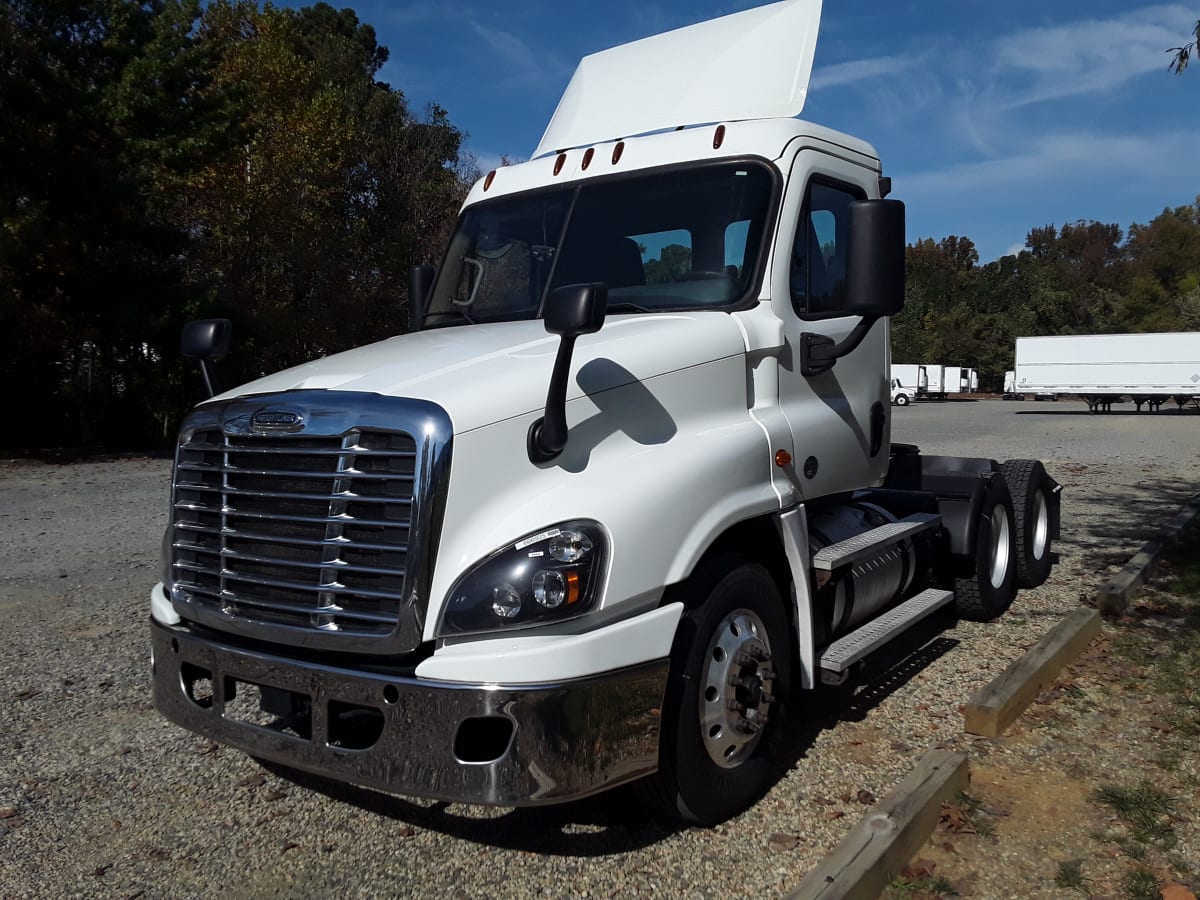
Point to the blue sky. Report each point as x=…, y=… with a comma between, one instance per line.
x=990, y=118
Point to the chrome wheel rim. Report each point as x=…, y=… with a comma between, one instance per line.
x=1001, y=547
x=1041, y=525
x=736, y=692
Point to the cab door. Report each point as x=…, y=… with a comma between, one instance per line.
x=840, y=419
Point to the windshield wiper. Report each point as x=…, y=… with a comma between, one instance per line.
x=629, y=307
x=455, y=313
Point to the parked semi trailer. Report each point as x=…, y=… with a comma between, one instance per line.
x=1103, y=369
x=583, y=527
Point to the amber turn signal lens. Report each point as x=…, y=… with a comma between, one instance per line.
x=783, y=458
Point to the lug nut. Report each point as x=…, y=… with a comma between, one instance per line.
x=736, y=706
x=764, y=697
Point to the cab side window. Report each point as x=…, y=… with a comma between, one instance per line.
x=818, y=268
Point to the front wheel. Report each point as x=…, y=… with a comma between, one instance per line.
x=902, y=399
x=990, y=584
x=730, y=666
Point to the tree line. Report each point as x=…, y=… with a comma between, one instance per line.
x=1081, y=278
x=164, y=160
x=170, y=159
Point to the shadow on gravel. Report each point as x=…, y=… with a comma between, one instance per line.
x=609, y=823
x=617, y=821
x=883, y=673
x=1109, y=527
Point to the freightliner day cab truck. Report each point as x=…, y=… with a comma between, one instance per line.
x=602, y=517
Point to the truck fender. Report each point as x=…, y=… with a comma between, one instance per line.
x=958, y=483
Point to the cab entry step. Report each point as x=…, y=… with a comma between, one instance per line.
x=847, y=650
x=869, y=543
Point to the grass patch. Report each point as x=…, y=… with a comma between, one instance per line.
x=935, y=885
x=1144, y=808
x=1070, y=875
x=1139, y=884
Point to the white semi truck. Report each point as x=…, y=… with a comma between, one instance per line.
x=594, y=521
x=1149, y=369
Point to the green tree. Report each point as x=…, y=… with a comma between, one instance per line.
x=1181, y=55
x=673, y=261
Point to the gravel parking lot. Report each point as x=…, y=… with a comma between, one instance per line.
x=100, y=797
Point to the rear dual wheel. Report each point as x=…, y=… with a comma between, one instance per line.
x=1030, y=487
x=989, y=585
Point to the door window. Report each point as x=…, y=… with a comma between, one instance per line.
x=818, y=268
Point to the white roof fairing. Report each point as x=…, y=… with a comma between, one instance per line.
x=754, y=64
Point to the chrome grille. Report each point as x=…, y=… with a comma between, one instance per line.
x=299, y=538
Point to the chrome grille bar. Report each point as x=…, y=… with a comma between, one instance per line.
x=321, y=561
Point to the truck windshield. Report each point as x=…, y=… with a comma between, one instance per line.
x=668, y=240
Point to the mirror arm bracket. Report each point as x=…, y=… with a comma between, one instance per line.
x=548, y=435
x=818, y=353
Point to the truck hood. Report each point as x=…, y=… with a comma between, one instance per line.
x=482, y=374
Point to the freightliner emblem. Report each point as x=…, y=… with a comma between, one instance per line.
x=276, y=420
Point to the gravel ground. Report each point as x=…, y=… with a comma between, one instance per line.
x=100, y=797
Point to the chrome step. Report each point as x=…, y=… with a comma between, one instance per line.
x=847, y=650
x=868, y=544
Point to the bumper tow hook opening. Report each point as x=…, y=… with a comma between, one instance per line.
x=483, y=739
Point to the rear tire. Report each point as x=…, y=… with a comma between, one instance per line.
x=719, y=740
x=991, y=585
x=1029, y=486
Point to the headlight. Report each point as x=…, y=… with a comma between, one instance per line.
x=549, y=576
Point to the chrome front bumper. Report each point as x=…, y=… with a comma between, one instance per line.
x=531, y=744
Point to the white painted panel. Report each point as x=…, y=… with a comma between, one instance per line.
x=750, y=65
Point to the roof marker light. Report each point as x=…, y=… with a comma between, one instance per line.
x=719, y=137
x=587, y=157
x=617, y=151
x=558, y=163
x=487, y=182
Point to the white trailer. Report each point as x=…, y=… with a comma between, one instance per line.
x=961, y=380
x=1148, y=369
x=582, y=526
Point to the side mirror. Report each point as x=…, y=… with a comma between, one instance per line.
x=576, y=309
x=205, y=340
x=571, y=310
x=420, y=282
x=875, y=261
x=874, y=280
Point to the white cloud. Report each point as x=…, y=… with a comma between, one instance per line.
x=1069, y=157
x=1089, y=55
x=859, y=70
x=523, y=66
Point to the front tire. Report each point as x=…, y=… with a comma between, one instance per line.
x=902, y=400
x=1029, y=486
x=730, y=666
x=990, y=586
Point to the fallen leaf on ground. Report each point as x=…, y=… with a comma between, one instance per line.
x=784, y=842
x=865, y=797
x=1177, y=892
x=253, y=780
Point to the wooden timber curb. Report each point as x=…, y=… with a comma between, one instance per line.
x=1112, y=598
x=999, y=703
x=887, y=837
